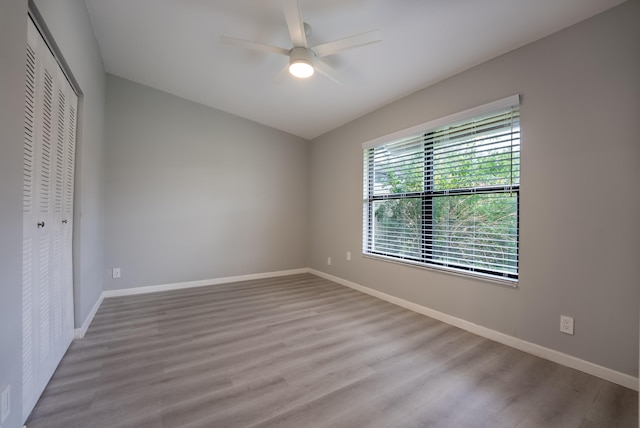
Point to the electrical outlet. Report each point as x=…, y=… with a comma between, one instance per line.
x=566, y=324
x=328, y=261
x=5, y=403
x=116, y=272
x=348, y=256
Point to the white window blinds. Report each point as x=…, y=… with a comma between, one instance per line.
x=447, y=194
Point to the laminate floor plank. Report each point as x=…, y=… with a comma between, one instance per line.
x=301, y=351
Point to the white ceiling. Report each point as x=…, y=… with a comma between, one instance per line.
x=174, y=46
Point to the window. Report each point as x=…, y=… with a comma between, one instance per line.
x=446, y=194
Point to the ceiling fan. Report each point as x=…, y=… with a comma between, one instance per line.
x=303, y=59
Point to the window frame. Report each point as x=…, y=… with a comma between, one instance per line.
x=429, y=194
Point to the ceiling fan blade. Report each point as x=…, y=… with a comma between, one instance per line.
x=293, y=16
x=282, y=74
x=254, y=45
x=351, y=42
x=328, y=71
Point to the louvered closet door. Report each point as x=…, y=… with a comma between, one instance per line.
x=49, y=150
x=66, y=223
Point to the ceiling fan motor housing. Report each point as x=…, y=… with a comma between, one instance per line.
x=301, y=54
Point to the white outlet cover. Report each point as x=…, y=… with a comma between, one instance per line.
x=5, y=403
x=566, y=324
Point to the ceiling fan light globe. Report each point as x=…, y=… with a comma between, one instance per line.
x=301, y=69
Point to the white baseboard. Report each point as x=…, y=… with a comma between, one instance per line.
x=200, y=283
x=80, y=332
x=522, y=345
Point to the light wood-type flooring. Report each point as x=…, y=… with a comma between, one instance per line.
x=300, y=351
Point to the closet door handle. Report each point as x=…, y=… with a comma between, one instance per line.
x=64, y=221
x=41, y=224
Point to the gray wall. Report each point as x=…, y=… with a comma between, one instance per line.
x=193, y=193
x=13, y=39
x=580, y=238
x=69, y=23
